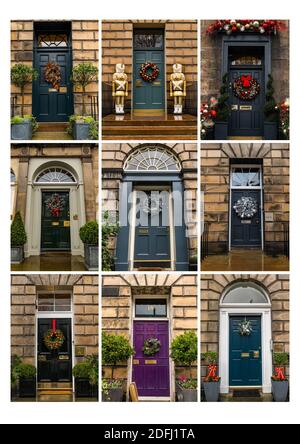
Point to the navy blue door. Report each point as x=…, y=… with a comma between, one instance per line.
x=245, y=231
x=152, y=233
x=246, y=118
x=50, y=104
x=148, y=47
x=245, y=360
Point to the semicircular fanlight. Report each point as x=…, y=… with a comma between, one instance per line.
x=152, y=159
x=55, y=175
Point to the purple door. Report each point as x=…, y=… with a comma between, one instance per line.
x=151, y=373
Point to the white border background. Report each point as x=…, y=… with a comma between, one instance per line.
x=143, y=413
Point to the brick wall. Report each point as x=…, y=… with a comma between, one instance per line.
x=215, y=169
x=180, y=47
x=212, y=289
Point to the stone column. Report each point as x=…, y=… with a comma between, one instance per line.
x=22, y=186
x=89, y=191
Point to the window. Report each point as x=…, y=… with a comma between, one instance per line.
x=55, y=175
x=58, y=303
x=247, y=60
x=52, y=40
x=149, y=39
x=13, y=178
x=152, y=159
x=245, y=177
x=154, y=308
x=245, y=293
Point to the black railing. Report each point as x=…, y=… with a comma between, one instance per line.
x=94, y=107
x=204, y=241
x=13, y=106
x=286, y=239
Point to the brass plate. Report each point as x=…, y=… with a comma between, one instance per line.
x=143, y=231
x=245, y=355
x=138, y=83
x=63, y=89
x=136, y=362
x=64, y=358
x=245, y=107
x=66, y=223
x=156, y=83
x=42, y=358
x=150, y=361
x=75, y=217
x=256, y=354
x=55, y=224
x=52, y=90
x=234, y=107
x=246, y=222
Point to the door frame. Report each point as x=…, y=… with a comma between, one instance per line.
x=165, y=68
x=262, y=310
x=166, y=319
x=133, y=226
x=231, y=188
x=58, y=315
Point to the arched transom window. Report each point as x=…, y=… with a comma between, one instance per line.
x=152, y=159
x=13, y=178
x=245, y=293
x=55, y=175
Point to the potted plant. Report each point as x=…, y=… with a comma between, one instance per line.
x=86, y=377
x=22, y=126
x=184, y=352
x=271, y=113
x=222, y=117
x=115, y=348
x=18, y=239
x=280, y=384
x=89, y=234
x=108, y=231
x=212, y=381
x=15, y=362
x=26, y=375
x=84, y=127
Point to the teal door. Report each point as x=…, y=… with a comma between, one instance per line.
x=245, y=352
x=55, y=234
x=152, y=232
x=148, y=47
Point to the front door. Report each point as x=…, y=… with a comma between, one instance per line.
x=55, y=365
x=246, y=116
x=148, y=96
x=151, y=373
x=152, y=231
x=52, y=104
x=246, y=218
x=55, y=230
x=245, y=351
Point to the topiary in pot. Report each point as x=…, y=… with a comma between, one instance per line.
x=212, y=381
x=280, y=383
x=108, y=231
x=26, y=375
x=115, y=348
x=184, y=352
x=86, y=377
x=270, y=112
x=89, y=234
x=18, y=239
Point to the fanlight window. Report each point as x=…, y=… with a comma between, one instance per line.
x=58, y=303
x=246, y=177
x=149, y=39
x=13, y=178
x=52, y=40
x=55, y=175
x=247, y=60
x=245, y=294
x=152, y=159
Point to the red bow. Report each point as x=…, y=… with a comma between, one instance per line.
x=279, y=373
x=246, y=81
x=56, y=212
x=212, y=371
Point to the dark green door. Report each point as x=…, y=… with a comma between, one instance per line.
x=55, y=233
x=152, y=233
x=245, y=354
x=50, y=104
x=148, y=47
x=55, y=366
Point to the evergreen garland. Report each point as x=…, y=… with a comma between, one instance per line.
x=271, y=114
x=222, y=107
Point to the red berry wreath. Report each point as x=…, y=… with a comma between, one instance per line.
x=246, y=88
x=144, y=72
x=54, y=339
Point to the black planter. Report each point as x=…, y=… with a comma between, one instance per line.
x=221, y=130
x=14, y=393
x=21, y=131
x=91, y=257
x=83, y=389
x=113, y=395
x=270, y=130
x=209, y=135
x=81, y=131
x=27, y=387
x=17, y=255
x=212, y=391
x=280, y=390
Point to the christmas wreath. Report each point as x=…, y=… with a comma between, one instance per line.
x=151, y=346
x=52, y=74
x=246, y=88
x=54, y=339
x=144, y=72
x=246, y=207
x=245, y=328
x=55, y=204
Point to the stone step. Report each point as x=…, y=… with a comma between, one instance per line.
x=149, y=123
x=51, y=135
x=55, y=398
x=146, y=137
x=55, y=385
x=52, y=127
x=157, y=130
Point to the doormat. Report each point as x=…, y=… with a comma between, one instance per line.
x=246, y=394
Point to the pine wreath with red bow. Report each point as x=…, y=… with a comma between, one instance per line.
x=246, y=87
x=55, y=204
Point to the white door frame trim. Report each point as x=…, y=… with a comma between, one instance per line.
x=267, y=345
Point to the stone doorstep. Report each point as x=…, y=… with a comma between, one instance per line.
x=264, y=397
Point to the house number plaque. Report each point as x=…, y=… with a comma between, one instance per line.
x=66, y=223
x=63, y=89
x=150, y=361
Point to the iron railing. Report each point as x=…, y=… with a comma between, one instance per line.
x=204, y=241
x=94, y=107
x=13, y=106
x=286, y=239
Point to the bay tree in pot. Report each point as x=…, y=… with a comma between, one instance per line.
x=271, y=113
x=26, y=375
x=222, y=108
x=86, y=377
x=89, y=234
x=109, y=231
x=83, y=126
x=184, y=352
x=22, y=126
x=115, y=349
x=212, y=381
x=18, y=239
x=280, y=383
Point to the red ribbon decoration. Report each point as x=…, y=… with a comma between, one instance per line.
x=212, y=371
x=279, y=373
x=54, y=324
x=56, y=212
x=246, y=81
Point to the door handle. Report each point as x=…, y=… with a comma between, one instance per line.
x=256, y=354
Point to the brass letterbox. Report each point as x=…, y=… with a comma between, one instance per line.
x=55, y=224
x=245, y=355
x=150, y=361
x=245, y=107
